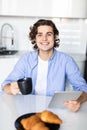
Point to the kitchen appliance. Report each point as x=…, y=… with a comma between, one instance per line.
x=7, y=40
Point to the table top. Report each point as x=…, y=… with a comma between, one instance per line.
x=12, y=107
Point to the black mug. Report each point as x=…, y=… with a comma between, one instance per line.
x=25, y=85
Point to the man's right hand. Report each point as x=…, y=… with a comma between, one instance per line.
x=12, y=88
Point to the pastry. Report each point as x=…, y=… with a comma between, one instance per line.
x=27, y=123
x=50, y=117
x=40, y=126
x=39, y=120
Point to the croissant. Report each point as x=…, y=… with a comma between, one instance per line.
x=40, y=126
x=50, y=117
x=37, y=121
x=38, y=114
x=27, y=123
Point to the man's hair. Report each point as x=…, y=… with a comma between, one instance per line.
x=33, y=32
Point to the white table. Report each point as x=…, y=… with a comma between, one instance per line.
x=11, y=107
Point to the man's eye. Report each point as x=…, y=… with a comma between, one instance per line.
x=49, y=34
x=39, y=35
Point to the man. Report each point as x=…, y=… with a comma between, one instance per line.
x=47, y=67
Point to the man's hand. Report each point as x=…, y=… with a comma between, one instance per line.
x=12, y=88
x=73, y=105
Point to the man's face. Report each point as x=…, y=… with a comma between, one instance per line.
x=45, y=38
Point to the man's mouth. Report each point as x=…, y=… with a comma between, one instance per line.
x=44, y=43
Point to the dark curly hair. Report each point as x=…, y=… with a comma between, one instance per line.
x=33, y=32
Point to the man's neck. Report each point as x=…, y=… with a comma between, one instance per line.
x=45, y=55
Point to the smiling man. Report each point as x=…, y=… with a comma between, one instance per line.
x=48, y=67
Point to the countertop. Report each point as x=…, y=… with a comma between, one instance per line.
x=16, y=55
x=76, y=56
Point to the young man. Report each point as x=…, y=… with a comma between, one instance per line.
x=47, y=67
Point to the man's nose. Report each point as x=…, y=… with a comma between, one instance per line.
x=44, y=37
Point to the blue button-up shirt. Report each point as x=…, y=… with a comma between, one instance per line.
x=60, y=67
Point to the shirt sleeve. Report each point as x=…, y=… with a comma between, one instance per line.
x=74, y=76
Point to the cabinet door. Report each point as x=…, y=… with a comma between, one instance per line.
x=25, y=7
x=6, y=66
x=45, y=8
x=69, y=8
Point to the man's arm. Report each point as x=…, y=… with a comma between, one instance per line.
x=82, y=98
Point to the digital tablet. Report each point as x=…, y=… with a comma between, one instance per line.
x=58, y=99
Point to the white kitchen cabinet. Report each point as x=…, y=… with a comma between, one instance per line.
x=69, y=8
x=6, y=65
x=25, y=7
x=45, y=8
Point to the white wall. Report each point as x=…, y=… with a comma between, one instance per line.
x=73, y=32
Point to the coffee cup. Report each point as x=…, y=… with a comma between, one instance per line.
x=25, y=85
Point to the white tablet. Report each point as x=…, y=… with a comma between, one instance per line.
x=59, y=98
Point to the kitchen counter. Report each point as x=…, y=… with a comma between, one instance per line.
x=76, y=56
x=12, y=107
x=18, y=54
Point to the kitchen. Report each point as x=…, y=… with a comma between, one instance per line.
x=71, y=21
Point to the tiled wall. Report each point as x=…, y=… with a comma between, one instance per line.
x=73, y=35
x=73, y=32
